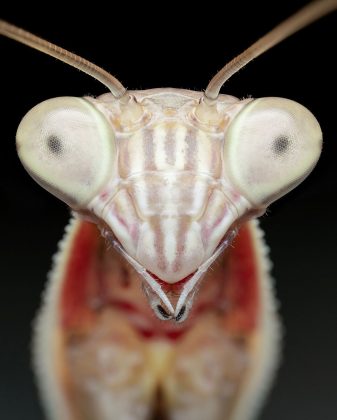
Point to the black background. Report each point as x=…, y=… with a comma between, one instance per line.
x=184, y=51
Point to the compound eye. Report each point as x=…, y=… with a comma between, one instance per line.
x=68, y=147
x=271, y=146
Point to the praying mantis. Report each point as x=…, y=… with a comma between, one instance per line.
x=238, y=76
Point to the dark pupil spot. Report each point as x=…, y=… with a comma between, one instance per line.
x=181, y=313
x=54, y=145
x=162, y=312
x=281, y=145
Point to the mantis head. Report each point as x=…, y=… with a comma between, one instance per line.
x=169, y=175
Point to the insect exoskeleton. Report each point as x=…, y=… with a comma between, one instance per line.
x=169, y=190
x=167, y=180
x=172, y=179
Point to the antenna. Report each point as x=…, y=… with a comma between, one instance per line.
x=20, y=35
x=304, y=17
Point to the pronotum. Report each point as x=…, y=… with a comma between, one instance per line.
x=219, y=407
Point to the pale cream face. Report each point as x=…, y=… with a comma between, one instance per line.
x=167, y=176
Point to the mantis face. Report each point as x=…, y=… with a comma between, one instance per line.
x=167, y=176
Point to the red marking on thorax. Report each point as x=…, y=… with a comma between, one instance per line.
x=242, y=289
x=80, y=283
x=234, y=282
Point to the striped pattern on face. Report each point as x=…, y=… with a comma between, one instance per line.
x=170, y=173
x=170, y=146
